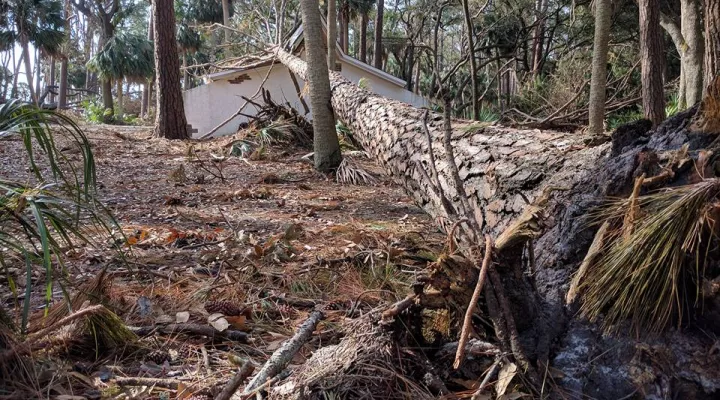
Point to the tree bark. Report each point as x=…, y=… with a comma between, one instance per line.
x=494, y=171
x=28, y=68
x=363, y=36
x=603, y=20
x=325, y=142
x=119, y=90
x=712, y=41
x=16, y=74
x=377, y=44
x=331, y=33
x=62, y=90
x=146, y=99
x=345, y=26
x=538, y=36
x=170, y=122
x=692, y=58
x=651, y=61
x=52, y=78
x=226, y=22
x=473, y=63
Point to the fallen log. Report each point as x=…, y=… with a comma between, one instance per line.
x=539, y=187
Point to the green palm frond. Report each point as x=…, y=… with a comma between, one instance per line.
x=40, y=221
x=653, y=274
x=124, y=56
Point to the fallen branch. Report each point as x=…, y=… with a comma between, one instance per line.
x=467, y=322
x=65, y=321
x=191, y=329
x=232, y=386
x=282, y=356
x=398, y=307
x=144, y=381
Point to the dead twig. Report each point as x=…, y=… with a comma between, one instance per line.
x=191, y=329
x=399, y=307
x=467, y=322
x=282, y=356
x=597, y=245
x=232, y=386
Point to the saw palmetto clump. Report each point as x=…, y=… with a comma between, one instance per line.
x=652, y=273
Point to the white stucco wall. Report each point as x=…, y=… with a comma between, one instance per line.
x=208, y=105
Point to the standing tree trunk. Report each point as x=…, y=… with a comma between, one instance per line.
x=120, y=97
x=170, y=122
x=16, y=74
x=377, y=44
x=692, y=58
x=226, y=22
x=363, y=36
x=345, y=26
x=146, y=99
x=28, y=68
x=539, y=36
x=325, y=143
x=62, y=90
x=652, y=60
x=473, y=62
x=51, y=96
x=712, y=41
x=331, y=33
x=603, y=20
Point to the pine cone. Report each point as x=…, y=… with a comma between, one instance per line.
x=158, y=357
x=336, y=305
x=286, y=310
x=227, y=308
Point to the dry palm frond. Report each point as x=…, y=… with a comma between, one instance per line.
x=653, y=274
x=94, y=292
x=350, y=173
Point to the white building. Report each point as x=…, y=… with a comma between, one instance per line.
x=208, y=105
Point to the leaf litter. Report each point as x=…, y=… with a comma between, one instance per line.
x=221, y=259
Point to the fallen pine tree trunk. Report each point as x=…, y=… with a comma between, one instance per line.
x=548, y=183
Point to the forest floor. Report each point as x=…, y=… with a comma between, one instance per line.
x=261, y=241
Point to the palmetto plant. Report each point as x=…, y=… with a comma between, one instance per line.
x=124, y=56
x=58, y=209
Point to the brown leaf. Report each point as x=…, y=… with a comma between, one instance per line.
x=238, y=322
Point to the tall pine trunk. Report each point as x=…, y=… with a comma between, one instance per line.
x=170, y=121
x=603, y=20
x=146, y=99
x=325, y=142
x=363, y=36
x=473, y=61
x=712, y=41
x=226, y=22
x=652, y=61
x=52, y=79
x=62, y=90
x=377, y=44
x=331, y=33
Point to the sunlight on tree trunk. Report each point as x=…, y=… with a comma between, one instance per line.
x=473, y=62
x=327, y=148
x=603, y=20
x=692, y=59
